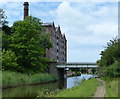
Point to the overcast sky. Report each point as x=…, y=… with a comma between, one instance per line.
x=88, y=26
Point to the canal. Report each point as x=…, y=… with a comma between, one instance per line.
x=42, y=90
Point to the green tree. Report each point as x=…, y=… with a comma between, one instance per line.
x=111, y=53
x=2, y=18
x=5, y=31
x=2, y=22
x=5, y=41
x=29, y=43
x=9, y=60
x=109, y=62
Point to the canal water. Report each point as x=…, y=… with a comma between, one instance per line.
x=42, y=90
x=73, y=81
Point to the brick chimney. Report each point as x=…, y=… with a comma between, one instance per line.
x=26, y=9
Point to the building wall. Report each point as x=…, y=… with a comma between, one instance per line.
x=59, y=50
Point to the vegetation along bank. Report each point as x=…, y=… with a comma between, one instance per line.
x=111, y=87
x=86, y=88
x=13, y=79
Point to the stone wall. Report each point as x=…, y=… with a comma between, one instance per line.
x=53, y=68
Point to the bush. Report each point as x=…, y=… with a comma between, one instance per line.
x=113, y=70
x=110, y=60
x=9, y=60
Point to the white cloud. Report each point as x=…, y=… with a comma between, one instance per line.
x=90, y=24
x=104, y=30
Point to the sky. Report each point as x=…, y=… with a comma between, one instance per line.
x=88, y=26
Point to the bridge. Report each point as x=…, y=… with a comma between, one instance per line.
x=60, y=69
x=77, y=65
x=64, y=67
x=55, y=67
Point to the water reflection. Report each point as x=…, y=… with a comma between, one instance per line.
x=30, y=91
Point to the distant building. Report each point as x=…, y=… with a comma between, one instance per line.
x=58, y=52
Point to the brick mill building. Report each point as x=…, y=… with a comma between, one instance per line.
x=58, y=52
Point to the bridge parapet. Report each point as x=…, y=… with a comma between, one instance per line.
x=75, y=66
x=76, y=63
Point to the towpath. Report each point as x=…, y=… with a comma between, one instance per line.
x=100, y=92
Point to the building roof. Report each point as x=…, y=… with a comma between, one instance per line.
x=51, y=24
x=47, y=24
x=56, y=28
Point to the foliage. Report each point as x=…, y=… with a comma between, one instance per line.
x=28, y=41
x=5, y=41
x=9, y=60
x=110, y=59
x=83, y=70
x=6, y=29
x=113, y=70
x=11, y=79
x=2, y=18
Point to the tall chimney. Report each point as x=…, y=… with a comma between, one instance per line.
x=26, y=9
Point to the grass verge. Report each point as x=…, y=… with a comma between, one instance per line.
x=11, y=79
x=111, y=87
x=85, y=89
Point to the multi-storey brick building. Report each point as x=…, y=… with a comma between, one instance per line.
x=58, y=52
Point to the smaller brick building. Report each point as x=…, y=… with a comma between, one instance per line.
x=59, y=50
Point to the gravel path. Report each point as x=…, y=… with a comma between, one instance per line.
x=100, y=92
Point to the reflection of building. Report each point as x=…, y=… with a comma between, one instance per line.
x=59, y=50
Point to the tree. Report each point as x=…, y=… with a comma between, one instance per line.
x=109, y=62
x=2, y=18
x=29, y=43
x=5, y=31
x=110, y=54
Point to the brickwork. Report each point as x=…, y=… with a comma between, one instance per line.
x=26, y=5
x=59, y=50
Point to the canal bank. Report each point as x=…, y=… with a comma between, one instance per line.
x=112, y=87
x=46, y=90
x=14, y=79
x=86, y=88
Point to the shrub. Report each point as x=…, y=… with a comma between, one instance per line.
x=113, y=70
x=9, y=60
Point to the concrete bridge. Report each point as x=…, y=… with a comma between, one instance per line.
x=77, y=65
x=60, y=69
x=55, y=67
x=63, y=67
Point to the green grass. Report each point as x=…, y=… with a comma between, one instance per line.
x=111, y=87
x=10, y=78
x=85, y=89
